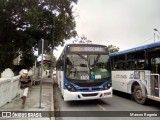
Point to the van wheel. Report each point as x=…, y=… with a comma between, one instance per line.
x=138, y=96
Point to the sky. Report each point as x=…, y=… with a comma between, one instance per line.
x=123, y=23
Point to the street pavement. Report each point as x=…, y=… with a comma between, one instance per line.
x=33, y=102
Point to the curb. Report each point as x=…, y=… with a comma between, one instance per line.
x=52, y=102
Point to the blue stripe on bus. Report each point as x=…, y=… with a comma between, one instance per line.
x=86, y=89
x=148, y=46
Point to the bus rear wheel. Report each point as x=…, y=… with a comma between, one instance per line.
x=138, y=96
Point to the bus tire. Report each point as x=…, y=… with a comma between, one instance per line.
x=138, y=96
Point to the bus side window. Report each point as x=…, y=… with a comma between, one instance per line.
x=139, y=65
x=61, y=62
x=115, y=66
x=119, y=66
x=61, y=65
x=130, y=65
x=119, y=62
x=69, y=66
x=58, y=65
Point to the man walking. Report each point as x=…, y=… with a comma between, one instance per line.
x=24, y=84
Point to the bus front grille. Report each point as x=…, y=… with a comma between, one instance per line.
x=85, y=84
x=90, y=89
x=89, y=95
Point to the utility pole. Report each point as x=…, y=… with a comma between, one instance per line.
x=154, y=37
x=41, y=73
x=155, y=33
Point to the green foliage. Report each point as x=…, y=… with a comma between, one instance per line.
x=113, y=48
x=25, y=22
x=82, y=39
x=50, y=56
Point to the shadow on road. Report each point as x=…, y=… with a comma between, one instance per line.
x=122, y=94
x=86, y=102
x=149, y=102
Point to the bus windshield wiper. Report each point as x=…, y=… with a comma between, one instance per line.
x=82, y=56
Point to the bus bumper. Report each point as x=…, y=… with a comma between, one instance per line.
x=69, y=96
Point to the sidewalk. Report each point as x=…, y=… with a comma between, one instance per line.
x=32, y=101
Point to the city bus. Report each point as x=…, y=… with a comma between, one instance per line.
x=83, y=72
x=136, y=71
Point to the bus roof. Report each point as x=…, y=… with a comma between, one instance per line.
x=144, y=47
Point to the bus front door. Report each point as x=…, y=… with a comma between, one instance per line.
x=155, y=85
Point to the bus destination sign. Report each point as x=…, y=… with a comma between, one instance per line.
x=87, y=49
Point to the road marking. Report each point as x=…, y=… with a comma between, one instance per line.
x=104, y=109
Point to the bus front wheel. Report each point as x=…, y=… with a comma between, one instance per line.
x=138, y=96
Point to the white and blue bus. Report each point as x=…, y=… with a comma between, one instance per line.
x=137, y=71
x=83, y=72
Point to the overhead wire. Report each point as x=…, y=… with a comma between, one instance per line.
x=151, y=38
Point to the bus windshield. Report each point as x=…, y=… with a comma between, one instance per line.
x=87, y=67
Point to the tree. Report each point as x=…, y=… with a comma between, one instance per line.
x=113, y=48
x=82, y=39
x=25, y=22
x=51, y=57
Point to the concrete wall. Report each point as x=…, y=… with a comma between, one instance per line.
x=8, y=86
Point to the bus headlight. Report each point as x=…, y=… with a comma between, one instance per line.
x=70, y=87
x=107, y=86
